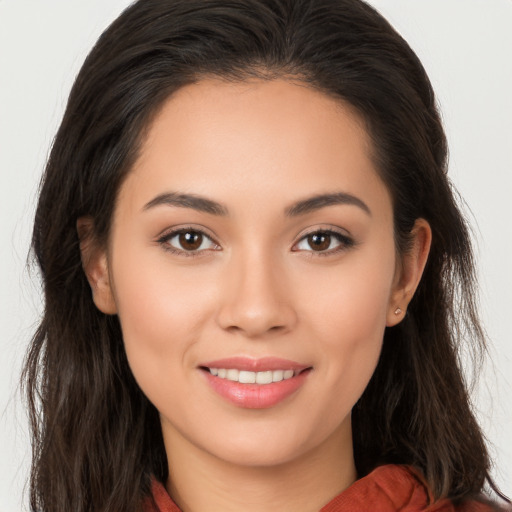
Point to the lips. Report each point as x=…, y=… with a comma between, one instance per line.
x=255, y=383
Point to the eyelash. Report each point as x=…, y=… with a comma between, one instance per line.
x=164, y=241
x=345, y=242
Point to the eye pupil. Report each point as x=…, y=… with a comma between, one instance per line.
x=190, y=240
x=319, y=241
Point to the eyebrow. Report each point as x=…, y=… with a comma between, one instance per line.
x=302, y=207
x=193, y=201
x=317, y=202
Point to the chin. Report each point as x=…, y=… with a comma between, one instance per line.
x=258, y=457
x=261, y=451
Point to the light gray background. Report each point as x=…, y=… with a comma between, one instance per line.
x=466, y=47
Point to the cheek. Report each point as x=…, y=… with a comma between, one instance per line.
x=161, y=314
x=351, y=301
x=348, y=311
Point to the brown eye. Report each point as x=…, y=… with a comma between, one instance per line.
x=187, y=242
x=324, y=243
x=319, y=241
x=190, y=240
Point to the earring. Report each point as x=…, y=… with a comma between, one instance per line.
x=398, y=311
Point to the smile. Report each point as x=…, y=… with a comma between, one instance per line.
x=248, y=377
x=255, y=383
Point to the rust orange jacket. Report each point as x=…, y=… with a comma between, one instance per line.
x=388, y=488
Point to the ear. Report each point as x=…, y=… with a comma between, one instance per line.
x=95, y=265
x=409, y=272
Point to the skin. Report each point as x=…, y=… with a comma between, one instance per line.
x=256, y=287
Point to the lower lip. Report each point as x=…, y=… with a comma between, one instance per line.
x=256, y=396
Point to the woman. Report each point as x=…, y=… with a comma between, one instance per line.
x=253, y=269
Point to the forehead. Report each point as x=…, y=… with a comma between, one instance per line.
x=276, y=135
x=278, y=106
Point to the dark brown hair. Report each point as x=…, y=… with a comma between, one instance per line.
x=96, y=438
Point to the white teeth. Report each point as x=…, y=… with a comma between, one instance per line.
x=277, y=375
x=232, y=374
x=246, y=377
x=263, y=377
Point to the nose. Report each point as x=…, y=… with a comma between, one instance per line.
x=257, y=300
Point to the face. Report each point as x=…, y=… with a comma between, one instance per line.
x=253, y=268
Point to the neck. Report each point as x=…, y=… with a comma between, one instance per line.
x=199, y=481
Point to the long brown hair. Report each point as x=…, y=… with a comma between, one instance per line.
x=96, y=438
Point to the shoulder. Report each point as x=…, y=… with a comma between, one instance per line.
x=388, y=488
x=391, y=488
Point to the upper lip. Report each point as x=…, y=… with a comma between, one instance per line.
x=255, y=365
